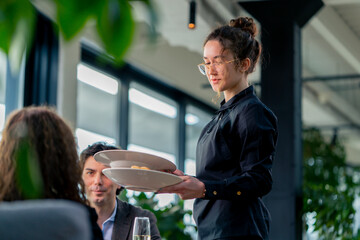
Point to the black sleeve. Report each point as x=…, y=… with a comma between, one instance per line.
x=255, y=133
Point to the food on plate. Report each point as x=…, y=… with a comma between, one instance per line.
x=137, y=167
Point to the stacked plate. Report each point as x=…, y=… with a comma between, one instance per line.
x=138, y=171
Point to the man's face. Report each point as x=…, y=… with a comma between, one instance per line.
x=99, y=189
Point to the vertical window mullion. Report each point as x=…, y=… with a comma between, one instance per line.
x=181, y=136
x=123, y=115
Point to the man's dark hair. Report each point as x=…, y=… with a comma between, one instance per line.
x=94, y=148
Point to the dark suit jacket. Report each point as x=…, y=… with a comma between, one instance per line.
x=96, y=230
x=124, y=221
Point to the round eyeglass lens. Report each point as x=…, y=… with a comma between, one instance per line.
x=202, y=69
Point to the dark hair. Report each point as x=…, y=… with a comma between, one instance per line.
x=51, y=143
x=94, y=148
x=239, y=38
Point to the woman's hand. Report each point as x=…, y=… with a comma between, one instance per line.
x=178, y=172
x=189, y=188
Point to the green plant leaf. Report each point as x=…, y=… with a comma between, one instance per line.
x=73, y=15
x=17, y=18
x=28, y=173
x=115, y=26
x=328, y=187
x=170, y=219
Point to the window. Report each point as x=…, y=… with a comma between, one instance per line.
x=152, y=126
x=146, y=120
x=97, y=107
x=152, y=122
x=195, y=120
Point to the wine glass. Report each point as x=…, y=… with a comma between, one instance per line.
x=141, y=229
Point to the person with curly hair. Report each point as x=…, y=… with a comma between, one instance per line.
x=236, y=149
x=38, y=144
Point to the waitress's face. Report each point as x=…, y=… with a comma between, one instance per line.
x=222, y=75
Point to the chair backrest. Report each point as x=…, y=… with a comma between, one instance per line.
x=44, y=219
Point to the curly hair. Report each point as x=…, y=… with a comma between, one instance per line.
x=53, y=144
x=239, y=38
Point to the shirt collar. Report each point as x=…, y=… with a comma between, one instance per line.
x=112, y=217
x=224, y=105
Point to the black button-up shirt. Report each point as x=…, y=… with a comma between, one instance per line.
x=234, y=157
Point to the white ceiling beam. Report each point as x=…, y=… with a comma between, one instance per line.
x=226, y=9
x=338, y=35
x=330, y=98
x=337, y=44
x=333, y=29
x=209, y=14
x=340, y=2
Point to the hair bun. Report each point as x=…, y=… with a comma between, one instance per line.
x=246, y=24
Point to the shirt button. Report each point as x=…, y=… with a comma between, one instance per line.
x=238, y=193
x=214, y=192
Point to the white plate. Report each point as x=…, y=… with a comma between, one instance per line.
x=126, y=159
x=140, y=179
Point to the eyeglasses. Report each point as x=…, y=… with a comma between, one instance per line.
x=203, y=67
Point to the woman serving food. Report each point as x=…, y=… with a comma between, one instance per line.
x=236, y=148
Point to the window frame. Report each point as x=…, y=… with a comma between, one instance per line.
x=128, y=73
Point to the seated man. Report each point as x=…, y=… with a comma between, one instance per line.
x=115, y=217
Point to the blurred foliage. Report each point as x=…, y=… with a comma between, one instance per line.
x=170, y=219
x=28, y=173
x=113, y=18
x=329, y=188
x=17, y=19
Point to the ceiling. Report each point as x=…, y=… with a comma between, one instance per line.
x=330, y=55
x=330, y=47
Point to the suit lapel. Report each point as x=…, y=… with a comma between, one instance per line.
x=122, y=223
